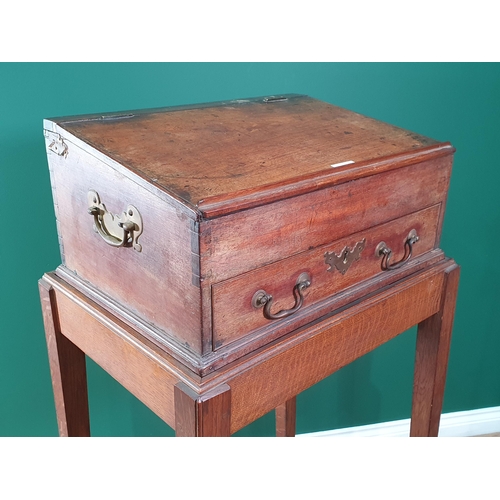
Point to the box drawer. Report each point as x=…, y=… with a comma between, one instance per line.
x=174, y=218
x=238, y=303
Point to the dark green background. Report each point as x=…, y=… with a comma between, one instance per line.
x=459, y=103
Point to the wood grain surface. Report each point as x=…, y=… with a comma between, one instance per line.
x=235, y=197
x=286, y=414
x=431, y=362
x=207, y=415
x=225, y=401
x=270, y=196
x=233, y=313
x=330, y=345
x=155, y=283
x=67, y=370
x=224, y=148
x=141, y=367
x=240, y=242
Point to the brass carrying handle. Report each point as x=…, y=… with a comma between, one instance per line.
x=265, y=300
x=117, y=231
x=385, y=252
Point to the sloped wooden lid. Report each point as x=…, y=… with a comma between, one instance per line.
x=221, y=157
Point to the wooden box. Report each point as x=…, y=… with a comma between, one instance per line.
x=216, y=229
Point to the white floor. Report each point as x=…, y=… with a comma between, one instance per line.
x=457, y=424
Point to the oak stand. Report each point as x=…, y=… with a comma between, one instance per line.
x=226, y=400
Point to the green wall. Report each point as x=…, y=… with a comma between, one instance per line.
x=459, y=103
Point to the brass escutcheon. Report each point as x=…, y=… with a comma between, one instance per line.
x=347, y=256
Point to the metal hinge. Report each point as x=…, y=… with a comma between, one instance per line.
x=275, y=98
x=57, y=145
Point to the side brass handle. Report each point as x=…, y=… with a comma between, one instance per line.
x=265, y=300
x=385, y=252
x=117, y=231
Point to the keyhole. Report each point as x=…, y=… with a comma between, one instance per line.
x=346, y=253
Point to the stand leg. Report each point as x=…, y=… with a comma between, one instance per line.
x=203, y=416
x=431, y=362
x=68, y=371
x=285, y=418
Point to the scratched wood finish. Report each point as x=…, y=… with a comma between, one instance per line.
x=226, y=189
x=297, y=224
x=227, y=400
x=260, y=337
x=286, y=418
x=142, y=368
x=223, y=148
x=67, y=369
x=233, y=313
x=431, y=362
x=154, y=283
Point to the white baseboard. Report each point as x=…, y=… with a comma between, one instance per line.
x=457, y=424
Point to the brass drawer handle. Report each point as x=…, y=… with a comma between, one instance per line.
x=385, y=252
x=117, y=231
x=263, y=299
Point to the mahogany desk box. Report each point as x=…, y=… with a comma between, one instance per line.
x=219, y=259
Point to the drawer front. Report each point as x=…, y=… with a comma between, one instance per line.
x=239, y=304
